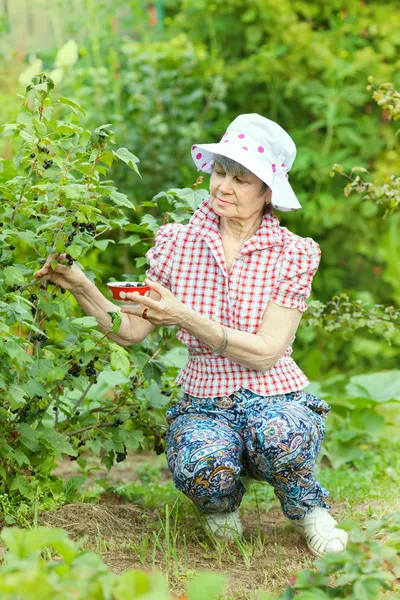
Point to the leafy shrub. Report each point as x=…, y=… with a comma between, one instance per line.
x=56, y=199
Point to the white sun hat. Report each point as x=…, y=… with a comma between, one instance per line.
x=263, y=147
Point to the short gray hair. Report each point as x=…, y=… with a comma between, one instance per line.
x=237, y=170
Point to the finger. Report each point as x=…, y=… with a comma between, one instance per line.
x=157, y=287
x=143, y=300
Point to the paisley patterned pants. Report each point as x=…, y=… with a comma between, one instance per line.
x=211, y=442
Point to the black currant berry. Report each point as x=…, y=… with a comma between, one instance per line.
x=12, y=247
x=70, y=263
x=32, y=155
x=62, y=291
x=120, y=456
x=78, y=412
x=1, y=224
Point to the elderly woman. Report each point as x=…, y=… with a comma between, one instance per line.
x=235, y=281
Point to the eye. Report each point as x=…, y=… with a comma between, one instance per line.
x=239, y=180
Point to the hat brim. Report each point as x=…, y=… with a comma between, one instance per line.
x=283, y=196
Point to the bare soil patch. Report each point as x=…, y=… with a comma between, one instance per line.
x=271, y=550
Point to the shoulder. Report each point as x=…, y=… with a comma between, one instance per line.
x=299, y=248
x=168, y=232
x=299, y=253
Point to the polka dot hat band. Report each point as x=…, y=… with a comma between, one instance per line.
x=263, y=147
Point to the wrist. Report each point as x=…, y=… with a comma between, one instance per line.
x=82, y=286
x=186, y=316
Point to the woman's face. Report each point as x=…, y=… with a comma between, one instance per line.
x=241, y=195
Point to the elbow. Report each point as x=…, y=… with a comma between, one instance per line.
x=268, y=359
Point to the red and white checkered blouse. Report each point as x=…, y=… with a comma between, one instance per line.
x=274, y=264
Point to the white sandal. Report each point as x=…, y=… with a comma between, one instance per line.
x=225, y=525
x=320, y=532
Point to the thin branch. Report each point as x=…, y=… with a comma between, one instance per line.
x=88, y=428
x=22, y=192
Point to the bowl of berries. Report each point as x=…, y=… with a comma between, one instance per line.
x=119, y=290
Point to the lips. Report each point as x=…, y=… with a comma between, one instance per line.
x=224, y=201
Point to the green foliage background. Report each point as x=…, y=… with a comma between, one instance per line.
x=304, y=65
x=165, y=87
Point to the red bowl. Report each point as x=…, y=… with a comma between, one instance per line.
x=120, y=288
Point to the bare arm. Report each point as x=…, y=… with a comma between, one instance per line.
x=258, y=351
x=133, y=328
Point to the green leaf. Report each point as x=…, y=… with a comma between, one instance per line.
x=103, y=244
x=21, y=457
x=156, y=398
x=132, y=240
x=22, y=485
x=380, y=387
x=13, y=275
x=119, y=361
x=84, y=322
x=67, y=55
x=206, y=585
x=121, y=199
x=55, y=374
x=192, y=198
x=75, y=251
x=17, y=396
x=128, y=158
x=56, y=442
x=138, y=584
x=40, y=127
x=73, y=484
x=77, y=108
x=116, y=320
x=28, y=437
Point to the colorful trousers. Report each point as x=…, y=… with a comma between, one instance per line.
x=212, y=442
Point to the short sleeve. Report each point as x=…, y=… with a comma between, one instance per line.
x=160, y=256
x=299, y=264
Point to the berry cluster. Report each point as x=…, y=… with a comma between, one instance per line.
x=117, y=422
x=47, y=164
x=70, y=260
x=90, y=370
x=89, y=227
x=43, y=149
x=40, y=337
x=74, y=370
x=33, y=298
x=120, y=456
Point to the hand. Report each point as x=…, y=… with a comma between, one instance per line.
x=167, y=311
x=67, y=278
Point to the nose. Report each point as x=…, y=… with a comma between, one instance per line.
x=226, y=185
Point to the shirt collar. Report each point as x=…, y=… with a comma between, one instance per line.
x=206, y=222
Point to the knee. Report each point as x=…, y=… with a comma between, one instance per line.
x=203, y=477
x=285, y=434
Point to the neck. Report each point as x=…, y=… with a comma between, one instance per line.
x=234, y=229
